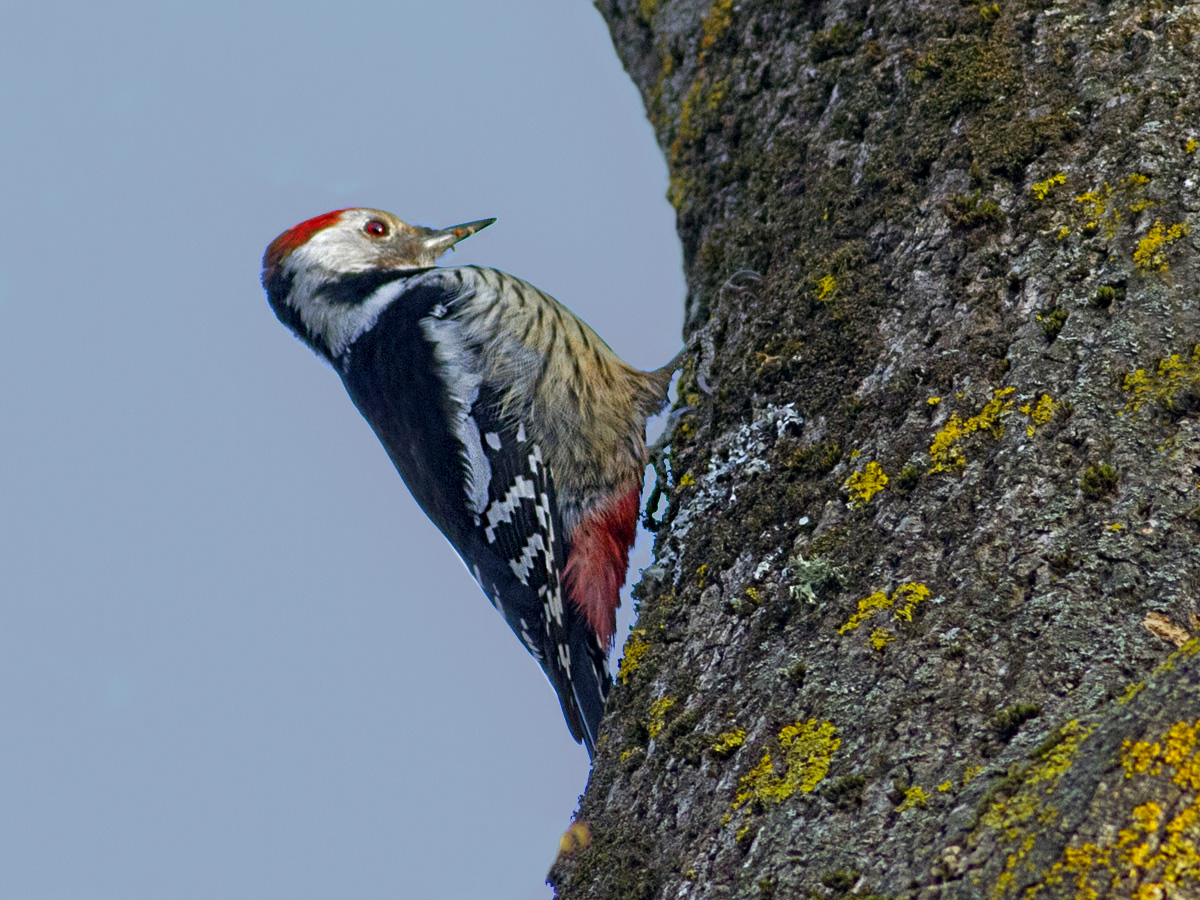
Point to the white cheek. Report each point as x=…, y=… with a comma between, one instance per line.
x=337, y=250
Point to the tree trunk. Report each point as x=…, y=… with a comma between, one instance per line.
x=920, y=618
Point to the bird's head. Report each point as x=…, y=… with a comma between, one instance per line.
x=319, y=274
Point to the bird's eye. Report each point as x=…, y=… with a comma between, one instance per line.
x=375, y=228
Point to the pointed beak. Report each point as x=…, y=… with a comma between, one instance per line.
x=438, y=242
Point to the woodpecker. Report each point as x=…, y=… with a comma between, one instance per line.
x=519, y=432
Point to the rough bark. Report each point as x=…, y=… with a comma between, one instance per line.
x=931, y=544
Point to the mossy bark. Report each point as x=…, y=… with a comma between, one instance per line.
x=933, y=535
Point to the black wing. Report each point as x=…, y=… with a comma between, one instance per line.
x=521, y=548
x=476, y=474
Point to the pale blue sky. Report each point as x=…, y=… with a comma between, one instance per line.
x=235, y=659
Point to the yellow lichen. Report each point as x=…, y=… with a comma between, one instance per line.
x=687, y=480
x=808, y=749
x=1173, y=376
x=1039, y=413
x=696, y=115
x=1131, y=691
x=945, y=786
x=658, y=715
x=1063, y=233
x=635, y=649
x=1191, y=648
x=826, y=286
x=914, y=798
x=934, y=401
x=906, y=597
x=728, y=741
x=1055, y=761
x=1150, y=254
x=880, y=638
x=1191, y=145
x=1041, y=189
x=947, y=451
x=904, y=600
x=1096, y=208
x=866, y=484
x=1018, y=819
x=715, y=23
x=1150, y=856
x=970, y=773
x=867, y=607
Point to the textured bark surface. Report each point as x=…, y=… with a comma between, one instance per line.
x=932, y=540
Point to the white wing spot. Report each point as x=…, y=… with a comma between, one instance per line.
x=502, y=510
x=542, y=511
x=493, y=440
x=521, y=432
x=552, y=605
x=527, y=640
x=564, y=659
x=460, y=371
x=521, y=567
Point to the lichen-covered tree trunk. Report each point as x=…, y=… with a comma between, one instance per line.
x=920, y=621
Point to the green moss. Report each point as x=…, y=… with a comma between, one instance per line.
x=980, y=75
x=1052, y=321
x=971, y=211
x=838, y=40
x=816, y=459
x=846, y=792
x=908, y=479
x=842, y=881
x=1099, y=480
x=1131, y=691
x=1008, y=721
x=1106, y=295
